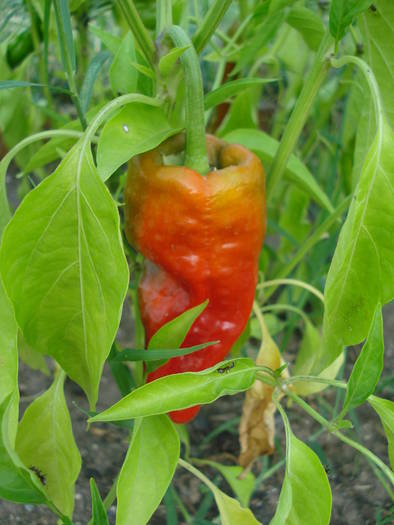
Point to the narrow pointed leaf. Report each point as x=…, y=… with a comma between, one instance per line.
x=232, y=88
x=64, y=242
x=147, y=470
x=368, y=367
x=342, y=13
x=99, y=514
x=178, y=391
x=167, y=62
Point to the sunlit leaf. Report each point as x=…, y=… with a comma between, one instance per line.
x=99, y=514
x=306, y=495
x=385, y=410
x=147, y=470
x=178, y=391
x=46, y=445
x=362, y=270
x=135, y=129
x=64, y=242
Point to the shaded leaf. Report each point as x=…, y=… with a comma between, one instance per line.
x=385, y=410
x=93, y=70
x=342, y=14
x=64, y=241
x=265, y=148
x=147, y=470
x=178, y=391
x=308, y=23
x=122, y=74
x=368, y=367
x=46, y=445
x=167, y=62
x=231, y=88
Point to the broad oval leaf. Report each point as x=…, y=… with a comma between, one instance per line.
x=306, y=495
x=45, y=443
x=135, y=129
x=368, y=367
x=147, y=470
x=178, y=391
x=99, y=514
x=64, y=268
x=265, y=148
x=385, y=410
x=362, y=270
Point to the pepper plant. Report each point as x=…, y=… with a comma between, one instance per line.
x=147, y=147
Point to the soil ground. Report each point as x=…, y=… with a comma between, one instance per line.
x=358, y=496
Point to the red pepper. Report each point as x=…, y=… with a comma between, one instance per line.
x=201, y=237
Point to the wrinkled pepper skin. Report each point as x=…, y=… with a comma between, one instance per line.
x=201, y=237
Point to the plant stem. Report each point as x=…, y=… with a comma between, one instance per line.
x=300, y=113
x=196, y=149
x=295, y=282
x=284, y=306
x=163, y=16
x=314, y=379
x=210, y=23
x=310, y=242
x=138, y=29
x=329, y=426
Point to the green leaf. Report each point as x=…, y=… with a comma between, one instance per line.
x=111, y=42
x=342, y=14
x=265, y=148
x=45, y=443
x=308, y=23
x=135, y=354
x=178, y=391
x=306, y=495
x=17, y=483
x=135, y=129
x=123, y=76
x=11, y=84
x=377, y=32
x=242, y=488
x=368, y=367
x=93, y=70
x=231, y=512
x=385, y=410
x=306, y=358
x=167, y=62
x=242, y=114
x=99, y=514
x=229, y=89
x=173, y=333
x=362, y=270
x=31, y=358
x=65, y=271
x=64, y=28
x=147, y=470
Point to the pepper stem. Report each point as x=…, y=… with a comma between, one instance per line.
x=196, y=149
